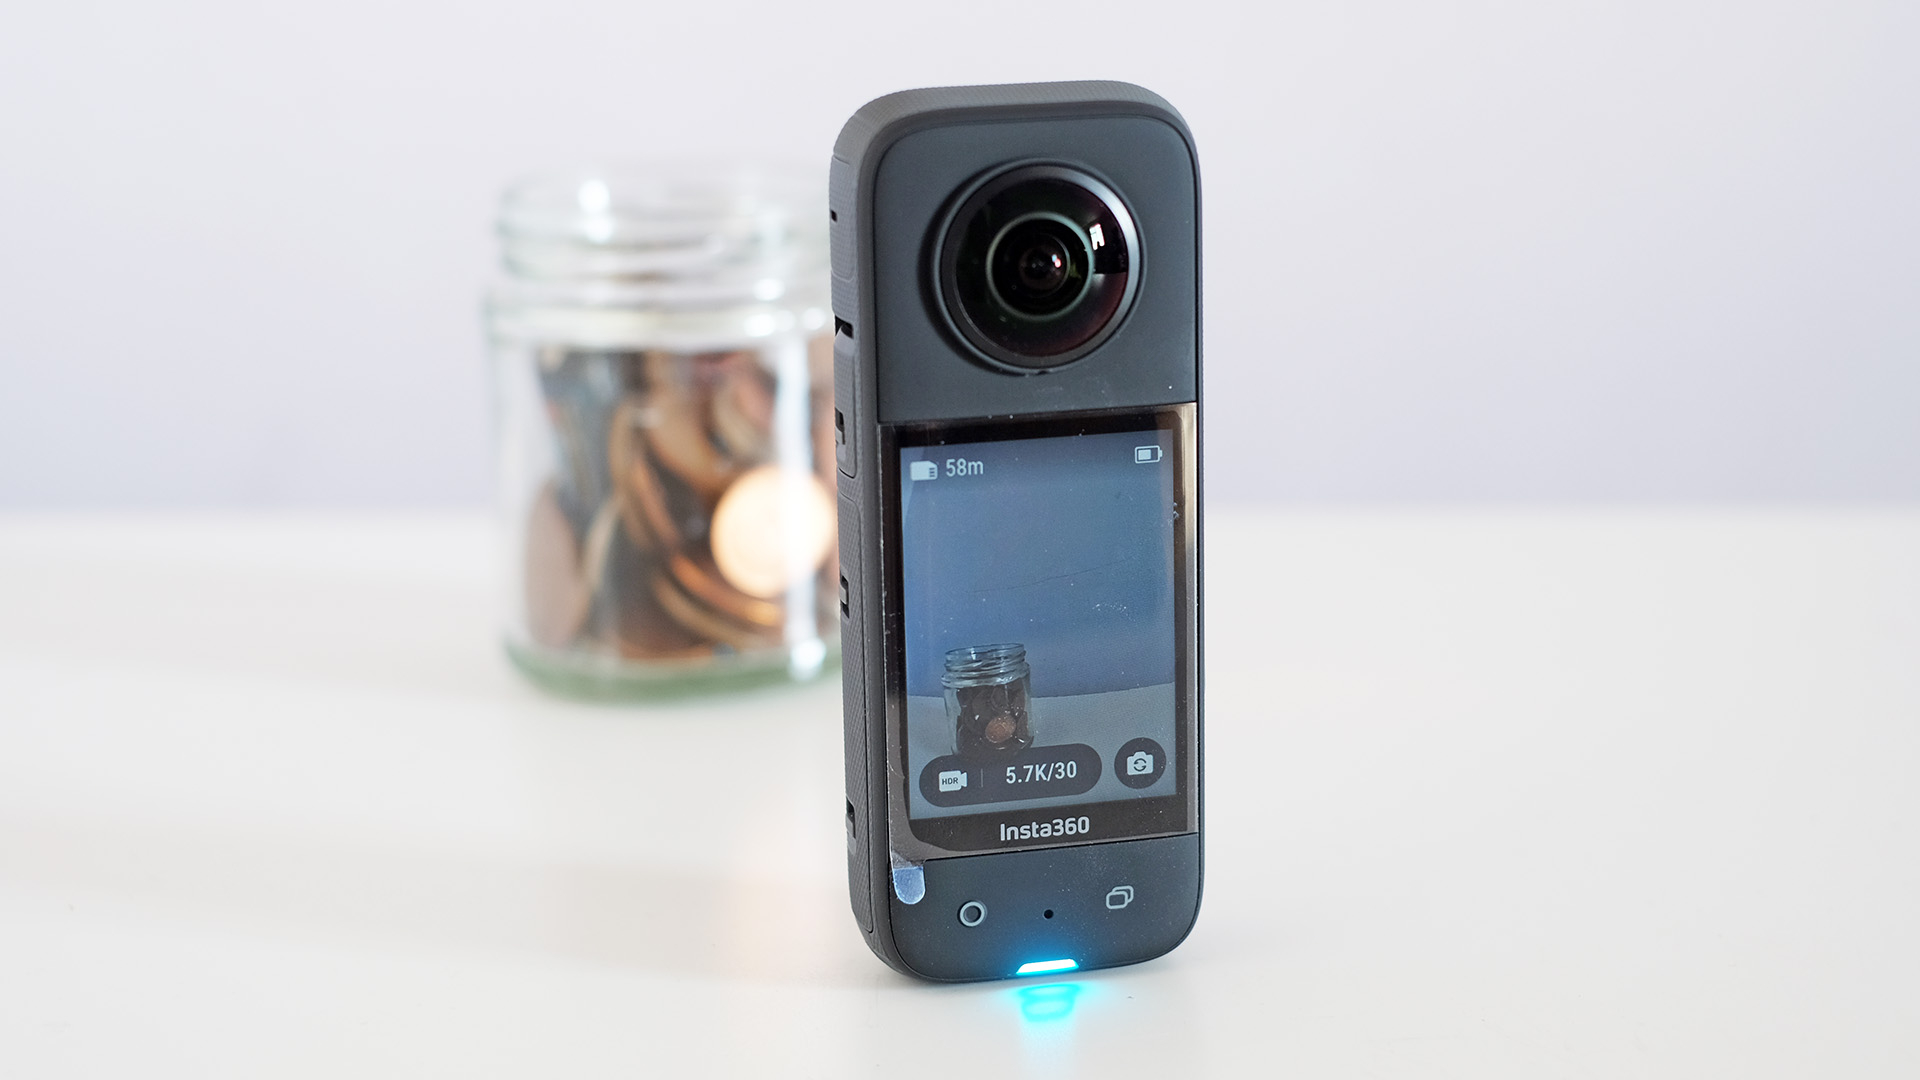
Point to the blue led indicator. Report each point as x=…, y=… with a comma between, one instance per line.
x=1039, y=967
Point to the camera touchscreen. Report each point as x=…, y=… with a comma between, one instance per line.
x=1041, y=585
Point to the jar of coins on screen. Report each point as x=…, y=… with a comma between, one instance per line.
x=989, y=689
x=663, y=379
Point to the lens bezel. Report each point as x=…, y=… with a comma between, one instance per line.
x=985, y=215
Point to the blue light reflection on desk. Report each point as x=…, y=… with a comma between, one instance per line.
x=1054, y=1001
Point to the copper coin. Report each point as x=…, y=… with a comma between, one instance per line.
x=640, y=628
x=701, y=580
x=707, y=622
x=772, y=530
x=557, y=594
x=675, y=423
x=741, y=413
x=643, y=501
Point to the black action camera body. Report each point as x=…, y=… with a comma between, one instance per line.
x=1016, y=291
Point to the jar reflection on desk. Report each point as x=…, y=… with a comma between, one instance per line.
x=662, y=360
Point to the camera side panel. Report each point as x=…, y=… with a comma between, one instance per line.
x=925, y=371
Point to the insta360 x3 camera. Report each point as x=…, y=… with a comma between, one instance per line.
x=1016, y=292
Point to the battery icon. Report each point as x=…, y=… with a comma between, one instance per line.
x=1146, y=455
x=923, y=470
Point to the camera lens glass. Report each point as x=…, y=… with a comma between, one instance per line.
x=1037, y=266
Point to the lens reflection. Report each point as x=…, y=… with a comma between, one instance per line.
x=1043, y=267
x=1040, y=265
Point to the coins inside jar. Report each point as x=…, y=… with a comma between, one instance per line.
x=692, y=511
x=771, y=529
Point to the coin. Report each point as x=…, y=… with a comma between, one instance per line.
x=674, y=538
x=557, y=594
x=675, y=421
x=640, y=628
x=701, y=580
x=593, y=551
x=773, y=528
x=643, y=502
x=707, y=622
x=741, y=413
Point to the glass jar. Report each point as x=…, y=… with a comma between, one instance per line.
x=663, y=387
x=989, y=688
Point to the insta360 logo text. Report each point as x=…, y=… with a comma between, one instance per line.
x=1040, y=830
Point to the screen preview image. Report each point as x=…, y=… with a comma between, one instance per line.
x=1038, y=603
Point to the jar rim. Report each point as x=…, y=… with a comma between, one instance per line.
x=673, y=234
x=674, y=206
x=985, y=662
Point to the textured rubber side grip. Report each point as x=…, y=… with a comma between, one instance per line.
x=843, y=233
x=853, y=699
x=846, y=409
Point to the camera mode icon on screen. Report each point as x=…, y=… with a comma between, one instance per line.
x=1140, y=763
x=923, y=470
x=953, y=779
x=1143, y=455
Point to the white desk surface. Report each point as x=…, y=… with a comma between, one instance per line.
x=1490, y=794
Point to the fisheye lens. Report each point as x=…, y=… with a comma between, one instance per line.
x=1036, y=265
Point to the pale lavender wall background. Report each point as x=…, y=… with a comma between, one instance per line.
x=1599, y=251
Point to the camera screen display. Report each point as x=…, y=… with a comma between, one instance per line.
x=1041, y=589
